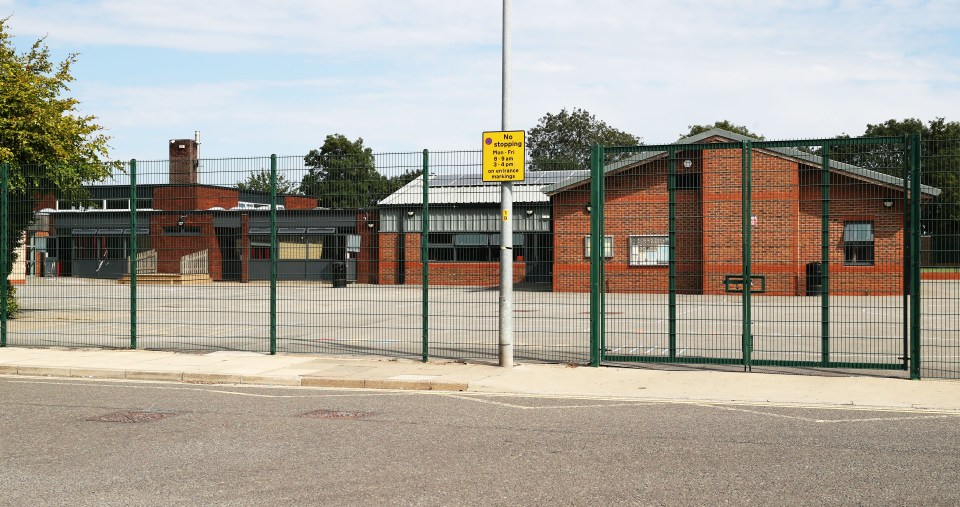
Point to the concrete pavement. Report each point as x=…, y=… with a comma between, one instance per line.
x=225, y=367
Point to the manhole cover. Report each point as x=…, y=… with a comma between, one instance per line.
x=335, y=414
x=131, y=417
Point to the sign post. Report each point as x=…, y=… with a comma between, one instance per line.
x=503, y=162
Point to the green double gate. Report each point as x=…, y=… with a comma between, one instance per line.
x=758, y=253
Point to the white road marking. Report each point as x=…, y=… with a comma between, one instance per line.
x=490, y=398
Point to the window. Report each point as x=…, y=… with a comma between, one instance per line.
x=688, y=181
x=649, y=250
x=298, y=248
x=858, y=243
x=607, y=246
x=182, y=230
x=103, y=247
x=260, y=248
x=469, y=247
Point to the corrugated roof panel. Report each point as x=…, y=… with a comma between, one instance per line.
x=470, y=189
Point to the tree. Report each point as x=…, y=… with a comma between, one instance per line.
x=48, y=146
x=722, y=124
x=260, y=182
x=563, y=140
x=342, y=174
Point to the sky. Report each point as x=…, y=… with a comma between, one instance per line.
x=278, y=76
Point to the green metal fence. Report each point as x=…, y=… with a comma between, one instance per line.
x=940, y=260
x=791, y=253
x=772, y=253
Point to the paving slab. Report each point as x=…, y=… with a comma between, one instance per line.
x=699, y=386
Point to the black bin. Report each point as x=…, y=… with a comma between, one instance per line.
x=339, y=274
x=814, y=278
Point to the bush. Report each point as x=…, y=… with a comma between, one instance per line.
x=13, y=308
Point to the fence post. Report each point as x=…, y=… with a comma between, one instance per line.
x=274, y=252
x=915, y=280
x=425, y=257
x=825, y=256
x=745, y=190
x=672, y=251
x=4, y=245
x=133, y=253
x=907, y=272
x=596, y=254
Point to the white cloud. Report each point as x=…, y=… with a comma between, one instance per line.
x=405, y=75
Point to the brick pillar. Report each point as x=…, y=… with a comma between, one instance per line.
x=184, y=161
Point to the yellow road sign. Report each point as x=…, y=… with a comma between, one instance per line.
x=503, y=158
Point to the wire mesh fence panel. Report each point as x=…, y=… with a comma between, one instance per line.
x=459, y=229
x=940, y=261
x=758, y=252
x=786, y=223
x=868, y=205
x=672, y=237
x=340, y=288
x=552, y=309
x=830, y=231
x=663, y=301
x=64, y=270
x=190, y=290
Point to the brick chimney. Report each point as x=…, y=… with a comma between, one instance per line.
x=184, y=161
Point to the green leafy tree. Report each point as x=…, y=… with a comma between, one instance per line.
x=48, y=146
x=563, y=140
x=342, y=174
x=395, y=182
x=722, y=124
x=260, y=182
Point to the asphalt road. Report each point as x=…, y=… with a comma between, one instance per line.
x=242, y=445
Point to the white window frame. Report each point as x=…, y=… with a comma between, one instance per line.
x=607, y=246
x=640, y=255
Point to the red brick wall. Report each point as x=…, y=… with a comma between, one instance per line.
x=388, y=266
x=299, y=202
x=171, y=248
x=637, y=204
x=478, y=274
x=852, y=200
x=785, y=237
x=193, y=197
x=775, y=204
x=42, y=201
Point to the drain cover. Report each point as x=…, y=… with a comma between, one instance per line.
x=132, y=417
x=335, y=414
